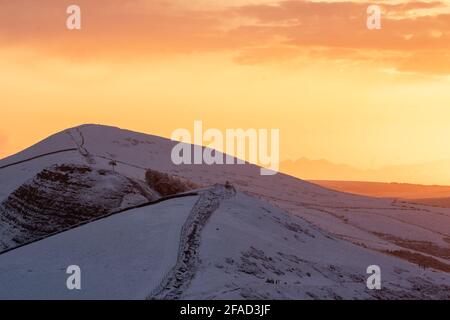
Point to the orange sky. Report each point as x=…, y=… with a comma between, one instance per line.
x=312, y=69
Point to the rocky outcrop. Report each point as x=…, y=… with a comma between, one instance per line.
x=65, y=195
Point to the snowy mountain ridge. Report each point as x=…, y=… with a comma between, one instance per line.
x=257, y=237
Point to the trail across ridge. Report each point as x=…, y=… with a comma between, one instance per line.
x=80, y=148
x=180, y=276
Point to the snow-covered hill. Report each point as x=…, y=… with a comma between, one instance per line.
x=65, y=195
x=121, y=257
x=220, y=244
x=309, y=242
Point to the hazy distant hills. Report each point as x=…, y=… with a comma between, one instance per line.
x=436, y=172
x=387, y=190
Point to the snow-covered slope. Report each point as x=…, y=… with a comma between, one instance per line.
x=350, y=232
x=123, y=256
x=65, y=195
x=251, y=250
x=218, y=245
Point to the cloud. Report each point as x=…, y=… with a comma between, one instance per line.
x=256, y=33
x=408, y=40
x=108, y=28
x=343, y=24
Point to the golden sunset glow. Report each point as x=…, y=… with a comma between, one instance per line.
x=336, y=90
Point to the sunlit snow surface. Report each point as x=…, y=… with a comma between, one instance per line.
x=309, y=242
x=121, y=257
